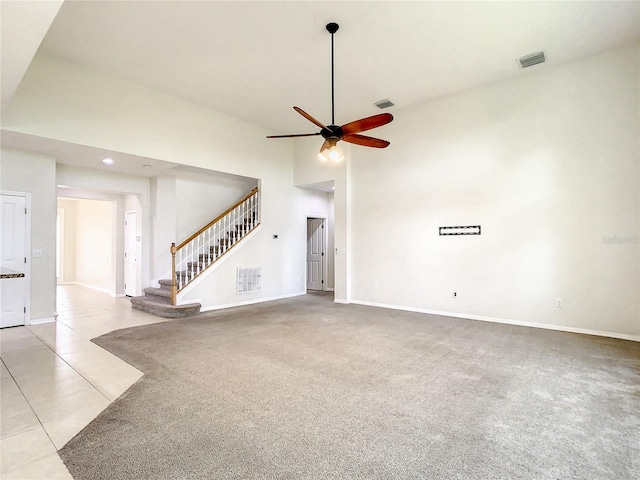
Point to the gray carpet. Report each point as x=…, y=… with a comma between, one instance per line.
x=308, y=389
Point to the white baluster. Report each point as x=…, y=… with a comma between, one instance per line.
x=178, y=267
x=208, y=247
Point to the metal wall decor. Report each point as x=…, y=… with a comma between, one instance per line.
x=460, y=230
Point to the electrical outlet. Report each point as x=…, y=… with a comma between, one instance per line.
x=454, y=294
x=559, y=302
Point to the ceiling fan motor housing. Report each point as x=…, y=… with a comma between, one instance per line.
x=332, y=131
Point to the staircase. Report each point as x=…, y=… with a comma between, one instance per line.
x=195, y=255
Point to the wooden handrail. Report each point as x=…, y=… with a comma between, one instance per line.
x=253, y=192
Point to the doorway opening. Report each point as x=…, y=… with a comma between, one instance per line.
x=131, y=240
x=14, y=250
x=316, y=251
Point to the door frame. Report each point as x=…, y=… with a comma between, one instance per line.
x=27, y=268
x=127, y=231
x=325, y=261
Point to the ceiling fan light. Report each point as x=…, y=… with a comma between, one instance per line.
x=332, y=153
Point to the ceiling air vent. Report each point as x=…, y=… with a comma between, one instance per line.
x=386, y=103
x=531, y=59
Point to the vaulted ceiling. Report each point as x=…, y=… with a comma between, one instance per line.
x=255, y=60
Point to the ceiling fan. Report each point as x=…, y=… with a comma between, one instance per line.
x=349, y=132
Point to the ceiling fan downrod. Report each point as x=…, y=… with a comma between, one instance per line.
x=349, y=132
x=332, y=28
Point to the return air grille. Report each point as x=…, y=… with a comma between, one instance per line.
x=531, y=59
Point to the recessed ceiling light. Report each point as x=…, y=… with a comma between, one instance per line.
x=146, y=165
x=107, y=161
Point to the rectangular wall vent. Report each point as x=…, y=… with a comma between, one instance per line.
x=386, y=103
x=249, y=280
x=532, y=59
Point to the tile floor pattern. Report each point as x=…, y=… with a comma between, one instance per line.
x=55, y=381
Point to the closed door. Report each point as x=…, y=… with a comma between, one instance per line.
x=13, y=257
x=130, y=254
x=315, y=254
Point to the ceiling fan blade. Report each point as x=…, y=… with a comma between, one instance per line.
x=366, y=123
x=294, y=135
x=309, y=117
x=366, y=141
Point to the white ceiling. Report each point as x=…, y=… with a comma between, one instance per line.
x=255, y=60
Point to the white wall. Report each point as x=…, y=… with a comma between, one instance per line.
x=65, y=101
x=23, y=25
x=35, y=174
x=68, y=206
x=95, y=239
x=547, y=163
x=200, y=198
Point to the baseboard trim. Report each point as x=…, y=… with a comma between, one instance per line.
x=91, y=287
x=40, y=321
x=252, y=302
x=584, y=331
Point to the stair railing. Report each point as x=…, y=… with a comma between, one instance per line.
x=202, y=249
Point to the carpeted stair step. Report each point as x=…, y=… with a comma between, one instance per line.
x=165, y=283
x=160, y=295
x=165, y=310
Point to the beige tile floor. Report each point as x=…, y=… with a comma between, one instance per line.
x=55, y=381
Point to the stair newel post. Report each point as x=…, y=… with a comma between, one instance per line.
x=174, y=286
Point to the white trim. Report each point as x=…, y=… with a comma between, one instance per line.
x=40, y=321
x=344, y=302
x=251, y=302
x=136, y=280
x=325, y=248
x=561, y=328
x=97, y=289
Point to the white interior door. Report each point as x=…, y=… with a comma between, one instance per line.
x=13, y=257
x=315, y=254
x=130, y=253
